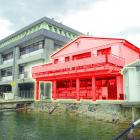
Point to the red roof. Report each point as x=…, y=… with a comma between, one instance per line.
x=127, y=43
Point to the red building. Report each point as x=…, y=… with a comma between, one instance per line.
x=87, y=68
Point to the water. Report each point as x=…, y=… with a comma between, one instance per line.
x=43, y=126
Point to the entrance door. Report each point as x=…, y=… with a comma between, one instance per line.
x=112, y=89
x=106, y=88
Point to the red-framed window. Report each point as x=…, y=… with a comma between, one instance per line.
x=105, y=51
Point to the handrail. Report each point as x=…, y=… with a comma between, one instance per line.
x=133, y=125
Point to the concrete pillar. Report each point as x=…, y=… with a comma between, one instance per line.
x=93, y=89
x=54, y=96
x=48, y=49
x=132, y=85
x=37, y=92
x=15, y=70
x=135, y=113
x=77, y=89
x=1, y=60
x=119, y=81
x=0, y=64
x=15, y=90
x=0, y=75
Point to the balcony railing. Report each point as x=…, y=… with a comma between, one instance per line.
x=116, y=60
x=24, y=55
x=85, y=63
x=7, y=78
x=3, y=61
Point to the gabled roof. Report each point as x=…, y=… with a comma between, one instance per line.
x=125, y=42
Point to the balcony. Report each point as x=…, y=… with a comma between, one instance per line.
x=6, y=63
x=6, y=78
x=30, y=57
x=76, y=65
x=31, y=53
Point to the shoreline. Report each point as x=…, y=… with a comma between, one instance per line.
x=108, y=112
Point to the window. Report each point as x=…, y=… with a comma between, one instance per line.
x=55, y=61
x=55, y=29
x=66, y=84
x=74, y=83
x=84, y=83
x=60, y=31
x=6, y=72
x=31, y=48
x=82, y=56
x=21, y=69
x=62, y=84
x=50, y=27
x=67, y=59
x=7, y=56
x=105, y=51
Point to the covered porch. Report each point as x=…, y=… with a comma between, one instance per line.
x=84, y=86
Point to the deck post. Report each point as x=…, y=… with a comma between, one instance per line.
x=37, y=95
x=77, y=89
x=119, y=84
x=93, y=89
x=54, y=89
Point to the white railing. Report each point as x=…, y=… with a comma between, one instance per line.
x=7, y=78
x=31, y=53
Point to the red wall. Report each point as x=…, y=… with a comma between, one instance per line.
x=129, y=54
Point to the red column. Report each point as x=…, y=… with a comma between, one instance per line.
x=37, y=95
x=93, y=89
x=77, y=89
x=119, y=82
x=54, y=89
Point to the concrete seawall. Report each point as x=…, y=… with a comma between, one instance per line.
x=106, y=111
x=15, y=104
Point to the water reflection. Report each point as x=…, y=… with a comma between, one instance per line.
x=42, y=126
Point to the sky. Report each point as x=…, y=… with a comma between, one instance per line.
x=99, y=18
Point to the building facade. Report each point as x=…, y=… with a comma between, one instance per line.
x=87, y=68
x=131, y=73
x=28, y=47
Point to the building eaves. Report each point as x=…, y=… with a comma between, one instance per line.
x=41, y=33
x=44, y=19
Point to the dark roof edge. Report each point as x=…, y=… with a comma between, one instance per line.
x=51, y=21
x=41, y=32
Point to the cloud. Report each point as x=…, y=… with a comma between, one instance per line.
x=5, y=28
x=108, y=18
x=23, y=12
x=105, y=18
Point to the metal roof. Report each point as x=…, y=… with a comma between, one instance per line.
x=44, y=19
x=131, y=65
x=43, y=33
